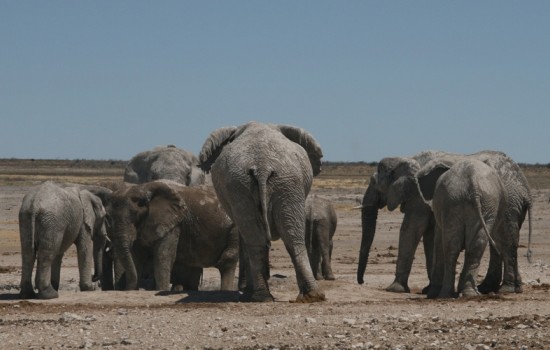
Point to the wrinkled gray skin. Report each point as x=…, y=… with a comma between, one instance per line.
x=179, y=229
x=262, y=174
x=164, y=162
x=51, y=219
x=394, y=185
x=469, y=206
x=321, y=221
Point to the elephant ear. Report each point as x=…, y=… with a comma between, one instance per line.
x=401, y=181
x=94, y=212
x=214, y=144
x=306, y=140
x=166, y=209
x=427, y=176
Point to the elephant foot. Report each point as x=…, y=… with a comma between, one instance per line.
x=426, y=289
x=48, y=293
x=433, y=292
x=312, y=297
x=256, y=297
x=447, y=295
x=330, y=277
x=85, y=287
x=177, y=288
x=319, y=277
x=397, y=287
x=487, y=287
x=27, y=293
x=469, y=292
x=508, y=289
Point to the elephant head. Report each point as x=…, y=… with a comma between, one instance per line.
x=392, y=185
x=94, y=226
x=164, y=162
x=142, y=214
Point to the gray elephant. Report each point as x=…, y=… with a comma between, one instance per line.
x=394, y=185
x=262, y=174
x=179, y=229
x=51, y=219
x=164, y=162
x=469, y=203
x=321, y=221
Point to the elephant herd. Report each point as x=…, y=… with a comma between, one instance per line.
x=176, y=214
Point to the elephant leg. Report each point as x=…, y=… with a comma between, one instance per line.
x=428, y=241
x=227, y=276
x=291, y=232
x=257, y=288
x=452, y=243
x=28, y=258
x=163, y=260
x=107, y=279
x=325, y=244
x=56, y=271
x=438, y=268
x=493, y=277
x=511, y=282
x=186, y=277
x=409, y=236
x=44, y=275
x=84, y=252
x=472, y=258
x=242, y=271
x=315, y=257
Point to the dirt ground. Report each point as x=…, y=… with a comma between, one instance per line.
x=353, y=317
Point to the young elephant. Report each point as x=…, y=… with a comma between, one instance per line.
x=51, y=219
x=179, y=229
x=321, y=223
x=469, y=205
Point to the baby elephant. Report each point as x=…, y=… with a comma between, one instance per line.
x=469, y=203
x=51, y=219
x=321, y=223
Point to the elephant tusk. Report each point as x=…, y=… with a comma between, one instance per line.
x=358, y=207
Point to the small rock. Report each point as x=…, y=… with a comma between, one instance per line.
x=349, y=321
x=310, y=320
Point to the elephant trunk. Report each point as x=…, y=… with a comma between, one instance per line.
x=98, y=253
x=124, y=252
x=369, y=215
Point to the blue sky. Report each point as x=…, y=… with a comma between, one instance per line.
x=369, y=79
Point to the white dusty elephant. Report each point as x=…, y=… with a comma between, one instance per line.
x=52, y=218
x=165, y=162
x=394, y=185
x=171, y=231
x=469, y=203
x=262, y=174
x=321, y=221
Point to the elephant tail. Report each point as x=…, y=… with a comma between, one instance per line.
x=491, y=241
x=529, y=251
x=262, y=177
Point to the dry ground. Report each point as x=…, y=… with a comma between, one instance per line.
x=354, y=316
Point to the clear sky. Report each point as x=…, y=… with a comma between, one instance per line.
x=369, y=79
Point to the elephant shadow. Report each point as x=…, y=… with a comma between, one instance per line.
x=9, y=296
x=210, y=296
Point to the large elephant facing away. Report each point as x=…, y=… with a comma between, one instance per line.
x=164, y=162
x=394, y=185
x=262, y=174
